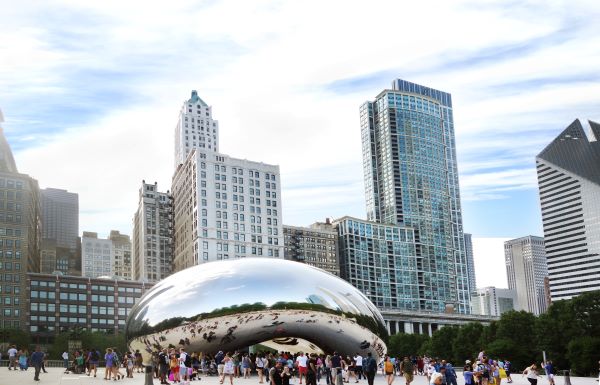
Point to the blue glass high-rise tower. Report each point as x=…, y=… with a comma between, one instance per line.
x=411, y=179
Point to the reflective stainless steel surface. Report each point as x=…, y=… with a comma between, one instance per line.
x=232, y=304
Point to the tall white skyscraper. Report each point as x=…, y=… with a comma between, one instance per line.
x=195, y=129
x=526, y=269
x=152, y=245
x=223, y=207
x=568, y=171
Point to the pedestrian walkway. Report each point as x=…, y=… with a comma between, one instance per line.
x=56, y=376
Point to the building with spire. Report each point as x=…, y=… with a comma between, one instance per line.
x=568, y=172
x=20, y=227
x=223, y=207
x=195, y=129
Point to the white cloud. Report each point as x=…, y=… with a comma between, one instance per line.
x=264, y=66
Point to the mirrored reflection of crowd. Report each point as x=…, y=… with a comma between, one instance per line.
x=284, y=368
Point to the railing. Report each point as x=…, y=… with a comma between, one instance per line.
x=49, y=363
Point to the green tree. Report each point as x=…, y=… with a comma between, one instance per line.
x=516, y=330
x=583, y=354
x=467, y=343
x=554, y=329
x=442, y=341
x=17, y=337
x=403, y=344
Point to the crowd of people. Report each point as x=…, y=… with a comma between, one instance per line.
x=177, y=366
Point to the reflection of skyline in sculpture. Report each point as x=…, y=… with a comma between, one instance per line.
x=228, y=305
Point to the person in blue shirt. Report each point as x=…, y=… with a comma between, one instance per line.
x=468, y=373
x=37, y=358
x=450, y=373
x=549, y=368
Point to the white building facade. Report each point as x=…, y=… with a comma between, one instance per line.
x=569, y=189
x=195, y=129
x=152, y=243
x=492, y=301
x=109, y=257
x=526, y=269
x=223, y=207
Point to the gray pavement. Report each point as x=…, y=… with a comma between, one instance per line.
x=55, y=376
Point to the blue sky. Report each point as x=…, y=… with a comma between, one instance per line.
x=91, y=91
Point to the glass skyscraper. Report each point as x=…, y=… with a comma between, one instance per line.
x=411, y=179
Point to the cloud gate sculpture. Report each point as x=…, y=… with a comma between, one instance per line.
x=229, y=305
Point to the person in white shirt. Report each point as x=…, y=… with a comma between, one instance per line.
x=12, y=358
x=65, y=357
x=302, y=368
x=358, y=362
x=183, y=370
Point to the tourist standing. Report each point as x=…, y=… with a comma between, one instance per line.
x=23, y=359
x=301, y=363
x=311, y=370
x=275, y=377
x=549, y=368
x=93, y=359
x=370, y=368
x=286, y=374
x=388, y=370
x=12, y=358
x=260, y=366
x=228, y=368
x=108, y=367
x=407, y=369
x=37, y=359
x=65, y=357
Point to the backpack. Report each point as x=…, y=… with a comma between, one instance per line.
x=407, y=366
x=188, y=361
x=95, y=356
x=389, y=367
x=371, y=364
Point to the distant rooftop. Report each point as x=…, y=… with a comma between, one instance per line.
x=196, y=99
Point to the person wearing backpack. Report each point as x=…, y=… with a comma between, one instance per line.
x=93, y=357
x=370, y=368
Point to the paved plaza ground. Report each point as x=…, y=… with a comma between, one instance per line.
x=55, y=376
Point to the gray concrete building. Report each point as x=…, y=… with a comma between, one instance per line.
x=19, y=236
x=152, y=240
x=492, y=301
x=316, y=245
x=60, y=231
x=109, y=257
x=568, y=172
x=526, y=269
x=470, y=263
x=60, y=303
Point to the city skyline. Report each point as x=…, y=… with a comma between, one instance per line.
x=120, y=118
